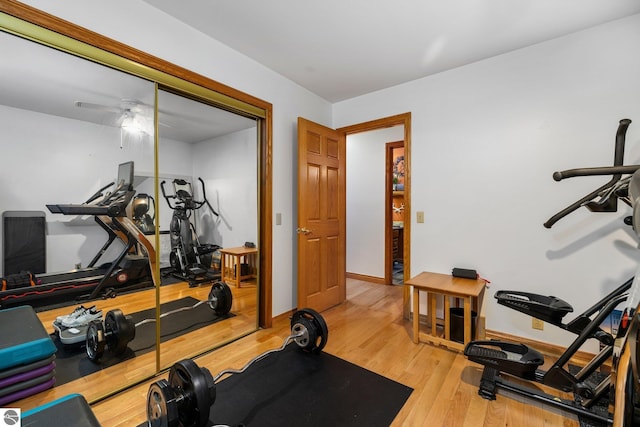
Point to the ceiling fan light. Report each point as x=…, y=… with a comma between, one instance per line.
x=135, y=123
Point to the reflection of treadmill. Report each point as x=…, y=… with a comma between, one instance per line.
x=127, y=272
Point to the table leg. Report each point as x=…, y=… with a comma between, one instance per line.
x=223, y=270
x=480, y=331
x=447, y=317
x=432, y=312
x=239, y=261
x=416, y=314
x=236, y=269
x=467, y=320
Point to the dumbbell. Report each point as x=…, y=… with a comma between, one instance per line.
x=185, y=399
x=118, y=330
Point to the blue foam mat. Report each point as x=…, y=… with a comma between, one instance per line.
x=24, y=338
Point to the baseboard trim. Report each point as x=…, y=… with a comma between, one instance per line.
x=365, y=278
x=285, y=315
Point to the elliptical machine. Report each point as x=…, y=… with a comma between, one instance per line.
x=190, y=260
x=519, y=360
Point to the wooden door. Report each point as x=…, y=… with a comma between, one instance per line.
x=321, y=216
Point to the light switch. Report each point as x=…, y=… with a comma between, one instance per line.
x=420, y=217
x=278, y=219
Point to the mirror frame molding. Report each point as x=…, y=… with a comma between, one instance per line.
x=167, y=74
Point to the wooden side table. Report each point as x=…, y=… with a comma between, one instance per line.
x=231, y=260
x=469, y=290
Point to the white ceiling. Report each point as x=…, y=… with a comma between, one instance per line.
x=340, y=49
x=337, y=49
x=48, y=81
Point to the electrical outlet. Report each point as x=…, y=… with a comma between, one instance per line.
x=537, y=324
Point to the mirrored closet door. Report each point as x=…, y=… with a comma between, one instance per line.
x=135, y=201
x=68, y=124
x=208, y=205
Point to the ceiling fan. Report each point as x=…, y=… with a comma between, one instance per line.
x=131, y=116
x=127, y=110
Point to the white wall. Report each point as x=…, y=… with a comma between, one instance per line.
x=136, y=24
x=66, y=161
x=486, y=139
x=365, y=199
x=229, y=167
x=62, y=161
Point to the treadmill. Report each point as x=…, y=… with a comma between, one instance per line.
x=127, y=272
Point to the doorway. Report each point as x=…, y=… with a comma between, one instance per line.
x=394, y=212
x=405, y=121
x=312, y=140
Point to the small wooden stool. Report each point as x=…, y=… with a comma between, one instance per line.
x=469, y=290
x=231, y=261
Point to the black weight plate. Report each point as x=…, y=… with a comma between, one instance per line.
x=194, y=385
x=309, y=338
x=162, y=408
x=318, y=338
x=126, y=333
x=220, y=298
x=119, y=330
x=95, y=340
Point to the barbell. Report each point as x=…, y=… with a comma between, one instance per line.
x=186, y=397
x=118, y=329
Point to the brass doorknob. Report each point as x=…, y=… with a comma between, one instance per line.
x=303, y=230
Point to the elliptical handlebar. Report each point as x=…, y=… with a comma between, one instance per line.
x=616, y=171
x=609, y=203
x=167, y=197
x=188, y=204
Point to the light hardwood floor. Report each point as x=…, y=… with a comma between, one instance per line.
x=369, y=330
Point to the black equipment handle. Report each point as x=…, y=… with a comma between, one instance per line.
x=605, y=170
x=153, y=202
x=617, y=170
x=164, y=194
x=98, y=193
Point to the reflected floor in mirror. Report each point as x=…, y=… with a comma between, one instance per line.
x=184, y=344
x=186, y=315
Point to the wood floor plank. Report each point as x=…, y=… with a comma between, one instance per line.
x=369, y=330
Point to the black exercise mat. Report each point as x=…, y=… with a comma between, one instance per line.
x=72, y=362
x=293, y=388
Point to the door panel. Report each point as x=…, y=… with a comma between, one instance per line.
x=321, y=216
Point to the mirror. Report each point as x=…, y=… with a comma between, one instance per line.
x=175, y=265
x=208, y=172
x=60, y=153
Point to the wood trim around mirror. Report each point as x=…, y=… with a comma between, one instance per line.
x=52, y=23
